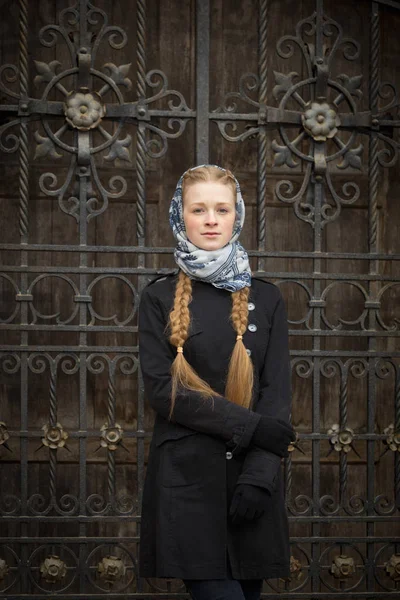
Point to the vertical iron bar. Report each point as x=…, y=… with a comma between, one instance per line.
x=111, y=423
x=373, y=288
x=262, y=136
x=52, y=423
x=397, y=428
x=344, y=373
x=202, y=80
x=316, y=417
x=83, y=175
x=141, y=237
x=24, y=232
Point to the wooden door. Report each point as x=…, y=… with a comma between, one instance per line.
x=102, y=107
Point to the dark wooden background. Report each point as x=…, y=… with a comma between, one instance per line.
x=321, y=529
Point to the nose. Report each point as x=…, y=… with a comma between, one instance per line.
x=211, y=218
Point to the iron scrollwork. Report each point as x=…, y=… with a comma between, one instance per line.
x=82, y=109
x=318, y=108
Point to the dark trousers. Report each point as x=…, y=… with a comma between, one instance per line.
x=224, y=589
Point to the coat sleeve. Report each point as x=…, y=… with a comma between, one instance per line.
x=261, y=467
x=220, y=417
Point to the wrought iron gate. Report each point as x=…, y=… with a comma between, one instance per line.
x=323, y=125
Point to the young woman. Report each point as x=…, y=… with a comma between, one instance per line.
x=215, y=362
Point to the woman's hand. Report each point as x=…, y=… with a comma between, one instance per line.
x=248, y=503
x=274, y=435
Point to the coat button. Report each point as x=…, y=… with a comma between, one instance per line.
x=229, y=455
x=252, y=327
x=251, y=306
x=248, y=351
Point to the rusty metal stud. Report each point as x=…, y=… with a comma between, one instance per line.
x=3, y=569
x=84, y=109
x=53, y=569
x=393, y=567
x=343, y=567
x=54, y=437
x=111, y=437
x=295, y=569
x=320, y=121
x=392, y=438
x=111, y=569
x=292, y=446
x=4, y=435
x=341, y=439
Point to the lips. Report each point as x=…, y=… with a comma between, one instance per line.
x=211, y=234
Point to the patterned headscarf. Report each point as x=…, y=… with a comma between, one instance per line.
x=228, y=267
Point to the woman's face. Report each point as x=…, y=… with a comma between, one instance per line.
x=209, y=214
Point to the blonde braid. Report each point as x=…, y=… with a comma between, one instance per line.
x=179, y=322
x=239, y=385
x=179, y=317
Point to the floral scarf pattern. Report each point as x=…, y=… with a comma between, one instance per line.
x=226, y=268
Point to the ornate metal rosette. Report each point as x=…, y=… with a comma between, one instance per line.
x=54, y=436
x=342, y=567
x=52, y=568
x=4, y=435
x=111, y=436
x=318, y=116
x=341, y=439
x=111, y=568
x=392, y=438
x=83, y=109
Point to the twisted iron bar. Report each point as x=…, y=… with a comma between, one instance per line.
x=53, y=421
x=343, y=423
x=140, y=182
x=373, y=146
x=111, y=475
x=262, y=136
x=111, y=396
x=52, y=473
x=111, y=423
x=53, y=395
x=23, y=151
x=397, y=428
x=141, y=145
x=141, y=47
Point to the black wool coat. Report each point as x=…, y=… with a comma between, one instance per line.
x=196, y=459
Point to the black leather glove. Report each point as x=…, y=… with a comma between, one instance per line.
x=248, y=503
x=274, y=435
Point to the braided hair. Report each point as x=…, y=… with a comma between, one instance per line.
x=239, y=383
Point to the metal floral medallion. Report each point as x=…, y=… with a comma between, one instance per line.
x=343, y=567
x=392, y=438
x=111, y=569
x=111, y=437
x=320, y=121
x=341, y=440
x=4, y=569
x=84, y=109
x=54, y=436
x=393, y=567
x=53, y=569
